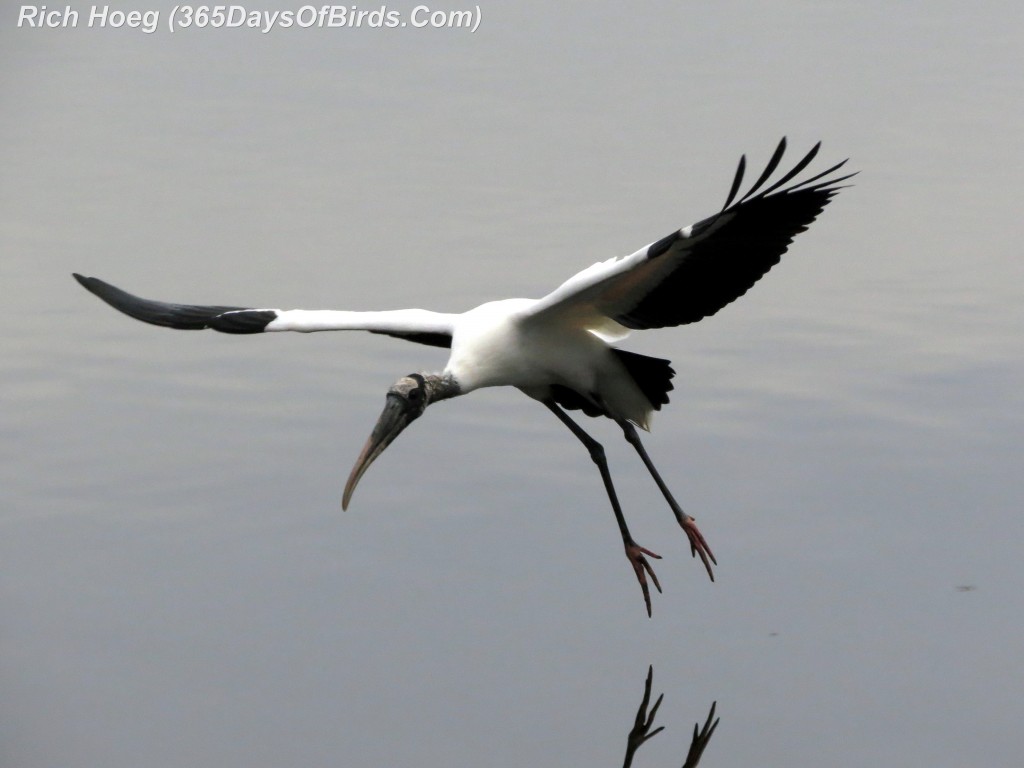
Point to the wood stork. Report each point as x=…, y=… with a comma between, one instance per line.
x=559, y=349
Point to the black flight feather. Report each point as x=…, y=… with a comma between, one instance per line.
x=724, y=255
x=769, y=169
x=185, y=317
x=736, y=181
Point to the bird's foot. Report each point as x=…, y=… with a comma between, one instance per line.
x=698, y=546
x=635, y=553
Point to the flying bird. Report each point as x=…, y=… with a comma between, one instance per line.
x=560, y=349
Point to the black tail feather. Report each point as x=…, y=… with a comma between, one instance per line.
x=652, y=374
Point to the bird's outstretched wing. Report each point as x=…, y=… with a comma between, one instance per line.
x=697, y=270
x=418, y=325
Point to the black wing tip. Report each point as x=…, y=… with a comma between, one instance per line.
x=769, y=169
x=183, y=317
x=91, y=284
x=104, y=290
x=828, y=186
x=736, y=181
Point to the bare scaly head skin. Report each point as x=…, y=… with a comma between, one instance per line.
x=406, y=401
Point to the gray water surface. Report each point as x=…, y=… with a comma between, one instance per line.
x=178, y=584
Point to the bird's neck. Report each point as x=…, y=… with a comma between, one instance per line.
x=441, y=386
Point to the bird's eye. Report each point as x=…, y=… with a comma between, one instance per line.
x=415, y=395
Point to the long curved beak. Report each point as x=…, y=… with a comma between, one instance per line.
x=397, y=415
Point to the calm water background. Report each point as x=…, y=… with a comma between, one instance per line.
x=178, y=584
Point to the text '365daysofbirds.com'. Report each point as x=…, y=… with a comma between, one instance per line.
x=182, y=17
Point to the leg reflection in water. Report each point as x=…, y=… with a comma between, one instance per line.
x=644, y=721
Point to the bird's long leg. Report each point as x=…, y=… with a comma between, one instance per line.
x=634, y=552
x=698, y=546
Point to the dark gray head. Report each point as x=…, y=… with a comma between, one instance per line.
x=406, y=400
